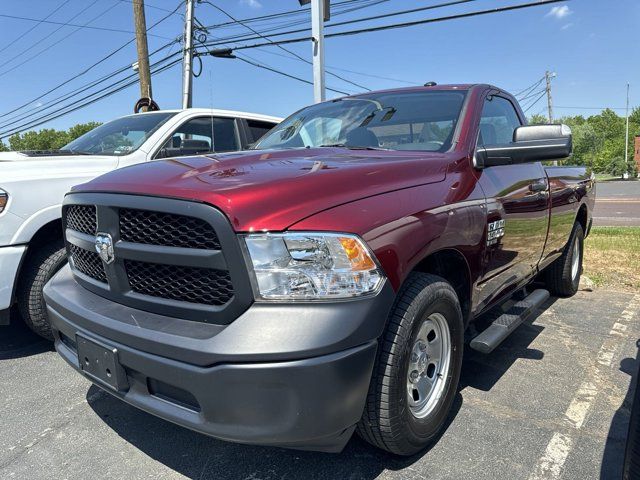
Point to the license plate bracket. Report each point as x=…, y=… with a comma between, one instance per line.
x=100, y=362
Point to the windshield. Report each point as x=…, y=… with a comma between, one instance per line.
x=119, y=137
x=422, y=121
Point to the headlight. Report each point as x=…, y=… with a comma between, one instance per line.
x=312, y=266
x=4, y=199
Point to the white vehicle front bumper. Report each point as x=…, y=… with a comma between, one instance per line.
x=10, y=258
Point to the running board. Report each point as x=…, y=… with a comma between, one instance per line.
x=506, y=323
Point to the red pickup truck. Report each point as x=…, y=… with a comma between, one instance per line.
x=323, y=282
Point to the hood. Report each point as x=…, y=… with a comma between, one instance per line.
x=12, y=156
x=16, y=166
x=271, y=190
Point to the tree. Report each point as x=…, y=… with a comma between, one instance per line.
x=48, y=138
x=538, y=119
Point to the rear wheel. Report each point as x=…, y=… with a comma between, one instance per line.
x=36, y=272
x=418, y=368
x=562, y=277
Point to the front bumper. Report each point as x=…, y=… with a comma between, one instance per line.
x=10, y=258
x=286, y=375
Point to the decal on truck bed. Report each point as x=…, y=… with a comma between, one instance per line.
x=495, y=230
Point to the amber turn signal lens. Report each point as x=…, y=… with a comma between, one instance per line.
x=4, y=198
x=357, y=255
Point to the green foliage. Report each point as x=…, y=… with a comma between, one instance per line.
x=47, y=138
x=598, y=141
x=538, y=119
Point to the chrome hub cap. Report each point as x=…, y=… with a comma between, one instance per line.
x=575, y=260
x=429, y=363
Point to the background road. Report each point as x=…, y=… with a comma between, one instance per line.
x=549, y=402
x=617, y=204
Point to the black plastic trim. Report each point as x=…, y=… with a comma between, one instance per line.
x=228, y=258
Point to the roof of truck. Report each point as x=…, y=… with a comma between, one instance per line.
x=223, y=113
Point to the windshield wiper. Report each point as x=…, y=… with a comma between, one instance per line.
x=350, y=147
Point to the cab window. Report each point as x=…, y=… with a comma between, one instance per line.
x=201, y=135
x=498, y=122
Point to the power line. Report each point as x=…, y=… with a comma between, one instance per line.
x=154, y=7
x=297, y=12
x=530, y=95
x=591, y=108
x=280, y=72
x=529, y=88
x=62, y=98
x=50, y=34
x=88, y=100
x=535, y=101
x=333, y=67
x=20, y=37
x=397, y=25
x=67, y=24
x=103, y=59
x=239, y=38
x=285, y=49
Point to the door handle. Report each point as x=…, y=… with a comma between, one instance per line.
x=538, y=187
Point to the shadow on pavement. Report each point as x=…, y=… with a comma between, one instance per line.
x=482, y=371
x=17, y=341
x=198, y=456
x=613, y=456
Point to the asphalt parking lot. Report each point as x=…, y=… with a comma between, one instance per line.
x=617, y=204
x=548, y=403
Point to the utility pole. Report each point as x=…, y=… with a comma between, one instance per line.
x=318, y=14
x=626, y=138
x=549, y=75
x=187, y=58
x=144, y=71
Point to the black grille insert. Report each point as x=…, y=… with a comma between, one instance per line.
x=88, y=263
x=185, y=284
x=82, y=218
x=166, y=229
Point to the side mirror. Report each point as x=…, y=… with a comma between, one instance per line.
x=536, y=143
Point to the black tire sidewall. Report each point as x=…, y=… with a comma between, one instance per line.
x=578, y=236
x=420, y=431
x=48, y=259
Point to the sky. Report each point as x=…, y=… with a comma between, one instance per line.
x=591, y=45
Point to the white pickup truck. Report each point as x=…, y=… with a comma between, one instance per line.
x=33, y=184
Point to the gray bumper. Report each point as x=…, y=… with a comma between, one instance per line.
x=287, y=375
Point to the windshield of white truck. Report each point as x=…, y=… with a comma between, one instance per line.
x=410, y=120
x=121, y=136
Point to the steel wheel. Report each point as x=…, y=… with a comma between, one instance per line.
x=575, y=260
x=429, y=363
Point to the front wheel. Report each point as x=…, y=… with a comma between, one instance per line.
x=416, y=376
x=36, y=272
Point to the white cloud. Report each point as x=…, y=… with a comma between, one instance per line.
x=566, y=26
x=252, y=3
x=559, y=11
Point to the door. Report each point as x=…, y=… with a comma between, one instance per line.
x=200, y=135
x=517, y=206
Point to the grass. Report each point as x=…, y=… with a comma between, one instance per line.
x=612, y=257
x=605, y=177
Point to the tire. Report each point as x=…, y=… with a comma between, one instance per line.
x=393, y=419
x=562, y=277
x=36, y=272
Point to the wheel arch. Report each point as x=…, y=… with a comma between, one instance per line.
x=451, y=265
x=582, y=217
x=46, y=233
